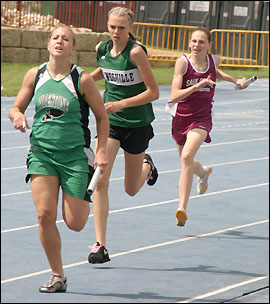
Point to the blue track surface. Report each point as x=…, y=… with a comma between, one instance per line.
x=222, y=253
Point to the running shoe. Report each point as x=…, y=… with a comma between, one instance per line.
x=181, y=217
x=55, y=284
x=152, y=178
x=98, y=255
x=202, y=184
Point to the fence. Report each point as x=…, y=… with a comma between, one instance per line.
x=237, y=48
x=165, y=43
x=242, y=48
x=87, y=14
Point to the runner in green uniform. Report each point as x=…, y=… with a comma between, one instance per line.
x=60, y=153
x=130, y=87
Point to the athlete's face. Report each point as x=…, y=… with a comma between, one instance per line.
x=119, y=28
x=199, y=43
x=61, y=42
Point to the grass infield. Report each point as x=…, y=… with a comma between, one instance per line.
x=12, y=75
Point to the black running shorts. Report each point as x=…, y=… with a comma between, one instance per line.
x=132, y=140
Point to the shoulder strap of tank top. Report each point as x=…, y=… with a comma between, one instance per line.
x=132, y=42
x=75, y=79
x=211, y=59
x=41, y=70
x=103, y=45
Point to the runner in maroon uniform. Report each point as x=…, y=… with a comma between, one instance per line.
x=193, y=88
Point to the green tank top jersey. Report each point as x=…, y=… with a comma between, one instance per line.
x=123, y=80
x=61, y=114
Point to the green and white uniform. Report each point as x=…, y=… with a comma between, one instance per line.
x=60, y=137
x=123, y=80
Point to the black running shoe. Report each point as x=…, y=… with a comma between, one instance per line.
x=98, y=255
x=154, y=173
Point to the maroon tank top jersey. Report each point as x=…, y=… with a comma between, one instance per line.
x=199, y=103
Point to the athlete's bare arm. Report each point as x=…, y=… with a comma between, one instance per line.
x=93, y=98
x=177, y=93
x=24, y=97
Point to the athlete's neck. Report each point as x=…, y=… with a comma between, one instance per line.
x=199, y=62
x=118, y=48
x=59, y=69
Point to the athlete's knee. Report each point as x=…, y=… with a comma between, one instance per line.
x=187, y=158
x=46, y=218
x=102, y=185
x=75, y=225
x=131, y=190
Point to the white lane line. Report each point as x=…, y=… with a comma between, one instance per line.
x=214, y=165
x=204, y=145
x=159, y=151
x=150, y=205
x=241, y=101
x=161, y=172
x=17, y=147
x=14, y=168
x=140, y=249
x=15, y=193
x=212, y=293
